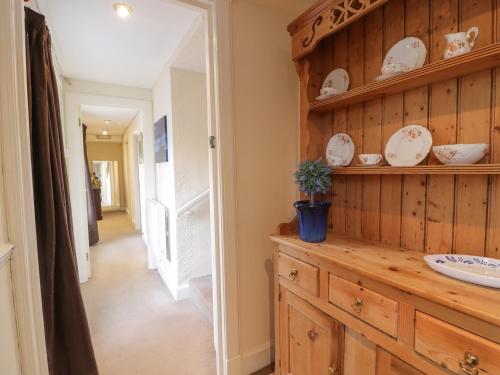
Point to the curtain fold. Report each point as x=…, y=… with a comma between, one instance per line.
x=91, y=211
x=69, y=347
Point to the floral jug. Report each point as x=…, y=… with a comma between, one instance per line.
x=459, y=43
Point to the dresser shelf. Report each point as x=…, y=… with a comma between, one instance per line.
x=474, y=169
x=475, y=61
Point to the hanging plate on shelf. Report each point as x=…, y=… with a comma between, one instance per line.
x=409, y=52
x=340, y=150
x=405, y=55
x=408, y=146
x=336, y=82
x=472, y=269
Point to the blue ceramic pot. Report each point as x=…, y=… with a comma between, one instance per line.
x=313, y=220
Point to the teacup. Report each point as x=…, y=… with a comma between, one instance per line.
x=328, y=91
x=395, y=68
x=370, y=159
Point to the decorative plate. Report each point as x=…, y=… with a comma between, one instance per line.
x=408, y=146
x=338, y=79
x=340, y=150
x=409, y=51
x=472, y=269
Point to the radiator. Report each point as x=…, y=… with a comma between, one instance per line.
x=157, y=230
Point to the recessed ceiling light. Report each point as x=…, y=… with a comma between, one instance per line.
x=104, y=132
x=107, y=121
x=122, y=9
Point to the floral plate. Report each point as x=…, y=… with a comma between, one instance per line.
x=410, y=52
x=338, y=79
x=408, y=146
x=472, y=269
x=340, y=150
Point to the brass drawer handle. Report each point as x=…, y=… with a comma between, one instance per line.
x=332, y=370
x=357, y=305
x=293, y=274
x=312, y=334
x=468, y=365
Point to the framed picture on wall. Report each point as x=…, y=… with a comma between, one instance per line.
x=161, y=140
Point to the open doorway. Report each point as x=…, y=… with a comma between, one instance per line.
x=76, y=89
x=153, y=265
x=106, y=178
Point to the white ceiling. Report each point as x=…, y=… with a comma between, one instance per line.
x=94, y=117
x=92, y=43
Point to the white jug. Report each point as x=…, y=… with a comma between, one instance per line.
x=459, y=43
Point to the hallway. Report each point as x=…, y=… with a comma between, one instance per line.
x=137, y=327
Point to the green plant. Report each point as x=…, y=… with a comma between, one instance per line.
x=313, y=177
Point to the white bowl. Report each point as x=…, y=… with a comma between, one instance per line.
x=461, y=154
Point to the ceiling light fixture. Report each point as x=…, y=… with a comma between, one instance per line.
x=104, y=132
x=122, y=9
x=107, y=121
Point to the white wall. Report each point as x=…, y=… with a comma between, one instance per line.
x=181, y=95
x=265, y=93
x=190, y=149
x=162, y=106
x=134, y=175
x=76, y=94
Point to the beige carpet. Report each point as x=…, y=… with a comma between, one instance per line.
x=137, y=328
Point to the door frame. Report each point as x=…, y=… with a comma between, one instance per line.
x=15, y=141
x=217, y=22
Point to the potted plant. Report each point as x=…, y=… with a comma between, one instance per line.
x=313, y=177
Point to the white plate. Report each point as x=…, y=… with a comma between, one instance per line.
x=408, y=146
x=338, y=79
x=340, y=150
x=473, y=269
x=409, y=51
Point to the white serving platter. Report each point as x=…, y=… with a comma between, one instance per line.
x=469, y=268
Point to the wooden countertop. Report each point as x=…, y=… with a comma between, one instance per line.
x=402, y=269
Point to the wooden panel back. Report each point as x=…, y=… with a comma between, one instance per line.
x=434, y=214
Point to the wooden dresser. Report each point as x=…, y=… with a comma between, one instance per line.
x=356, y=308
x=358, y=304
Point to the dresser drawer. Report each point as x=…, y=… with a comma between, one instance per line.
x=302, y=274
x=373, y=308
x=452, y=347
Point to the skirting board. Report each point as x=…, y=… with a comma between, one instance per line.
x=252, y=361
x=179, y=292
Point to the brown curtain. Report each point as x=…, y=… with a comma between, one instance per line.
x=69, y=348
x=91, y=212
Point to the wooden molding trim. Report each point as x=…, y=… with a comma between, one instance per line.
x=324, y=19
